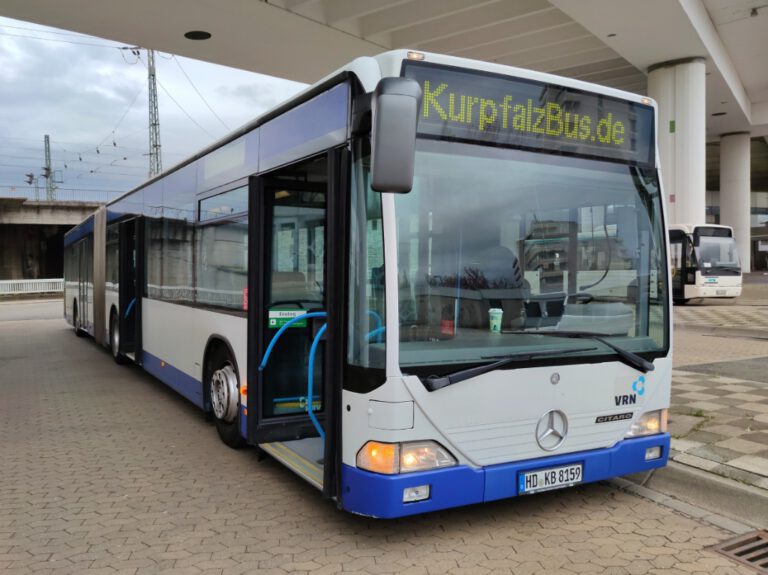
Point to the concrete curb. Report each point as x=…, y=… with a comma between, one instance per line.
x=17, y=300
x=724, y=331
x=719, y=501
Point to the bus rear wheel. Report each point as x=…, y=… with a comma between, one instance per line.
x=114, y=338
x=224, y=390
x=75, y=319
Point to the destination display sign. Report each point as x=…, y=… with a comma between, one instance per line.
x=477, y=106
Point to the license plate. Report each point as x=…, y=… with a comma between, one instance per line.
x=720, y=292
x=552, y=478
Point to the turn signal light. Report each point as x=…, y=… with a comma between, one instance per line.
x=379, y=457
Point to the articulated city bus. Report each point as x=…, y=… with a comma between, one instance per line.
x=358, y=284
x=705, y=262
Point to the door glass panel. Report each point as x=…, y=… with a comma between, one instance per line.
x=295, y=285
x=298, y=249
x=676, y=263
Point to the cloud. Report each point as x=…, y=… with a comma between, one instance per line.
x=80, y=94
x=262, y=96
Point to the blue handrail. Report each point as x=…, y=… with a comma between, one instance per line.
x=294, y=398
x=379, y=322
x=281, y=331
x=129, y=308
x=376, y=333
x=311, y=380
x=312, y=352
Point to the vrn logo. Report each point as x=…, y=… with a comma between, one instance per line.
x=638, y=386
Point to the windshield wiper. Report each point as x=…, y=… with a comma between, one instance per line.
x=434, y=382
x=629, y=358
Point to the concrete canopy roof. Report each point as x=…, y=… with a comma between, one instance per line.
x=611, y=42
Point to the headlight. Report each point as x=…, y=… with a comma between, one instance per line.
x=423, y=455
x=649, y=423
x=393, y=458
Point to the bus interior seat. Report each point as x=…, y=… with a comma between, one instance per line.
x=292, y=286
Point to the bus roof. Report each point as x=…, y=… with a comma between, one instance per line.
x=369, y=70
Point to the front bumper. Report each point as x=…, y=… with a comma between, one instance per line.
x=711, y=290
x=381, y=496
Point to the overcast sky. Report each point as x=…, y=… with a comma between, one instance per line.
x=91, y=98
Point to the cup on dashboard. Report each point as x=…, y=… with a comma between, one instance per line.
x=494, y=315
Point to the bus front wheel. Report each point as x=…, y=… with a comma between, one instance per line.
x=224, y=390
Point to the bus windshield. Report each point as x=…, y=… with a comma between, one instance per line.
x=493, y=242
x=716, y=255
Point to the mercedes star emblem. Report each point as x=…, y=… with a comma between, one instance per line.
x=551, y=430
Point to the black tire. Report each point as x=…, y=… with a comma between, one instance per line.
x=75, y=319
x=229, y=431
x=114, y=339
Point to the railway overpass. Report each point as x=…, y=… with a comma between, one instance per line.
x=32, y=235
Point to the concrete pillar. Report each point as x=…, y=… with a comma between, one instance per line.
x=735, y=187
x=679, y=87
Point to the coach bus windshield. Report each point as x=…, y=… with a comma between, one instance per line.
x=717, y=256
x=529, y=242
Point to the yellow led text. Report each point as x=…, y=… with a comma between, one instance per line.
x=550, y=119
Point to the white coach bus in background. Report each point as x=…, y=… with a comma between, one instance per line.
x=705, y=262
x=424, y=282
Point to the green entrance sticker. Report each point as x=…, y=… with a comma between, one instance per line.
x=278, y=317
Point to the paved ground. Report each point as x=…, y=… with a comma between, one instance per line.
x=31, y=309
x=719, y=413
x=104, y=470
x=723, y=315
x=725, y=423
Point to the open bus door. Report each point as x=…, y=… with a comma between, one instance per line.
x=131, y=272
x=297, y=253
x=677, y=260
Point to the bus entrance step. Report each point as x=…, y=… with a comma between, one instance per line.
x=302, y=456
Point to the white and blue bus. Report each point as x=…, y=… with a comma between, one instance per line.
x=424, y=282
x=705, y=262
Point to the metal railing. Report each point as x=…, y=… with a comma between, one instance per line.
x=18, y=287
x=60, y=194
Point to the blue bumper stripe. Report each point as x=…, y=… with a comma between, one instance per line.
x=244, y=422
x=379, y=495
x=184, y=384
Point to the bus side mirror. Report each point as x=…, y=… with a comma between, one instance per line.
x=395, y=112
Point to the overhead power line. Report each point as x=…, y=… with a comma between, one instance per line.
x=180, y=107
x=41, y=31
x=59, y=40
x=120, y=121
x=191, y=83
